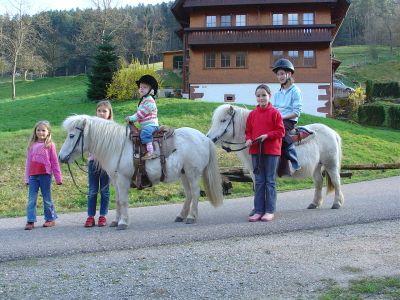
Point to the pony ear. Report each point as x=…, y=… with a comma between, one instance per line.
x=231, y=110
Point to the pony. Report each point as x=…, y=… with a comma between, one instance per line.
x=194, y=156
x=319, y=154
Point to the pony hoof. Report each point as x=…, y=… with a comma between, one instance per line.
x=178, y=219
x=335, y=206
x=122, y=227
x=312, y=206
x=190, y=221
x=114, y=224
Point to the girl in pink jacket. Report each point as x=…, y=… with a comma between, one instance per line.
x=41, y=164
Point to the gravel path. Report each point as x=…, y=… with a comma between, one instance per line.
x=294, y=265
x=221, y=257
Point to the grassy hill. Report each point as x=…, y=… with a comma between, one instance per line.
x=56, y=98
x=362, y=63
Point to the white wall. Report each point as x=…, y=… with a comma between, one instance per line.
x=244, y=94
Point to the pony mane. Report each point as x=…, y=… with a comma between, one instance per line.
x=106, y=136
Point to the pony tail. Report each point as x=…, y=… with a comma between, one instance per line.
x=212, y=178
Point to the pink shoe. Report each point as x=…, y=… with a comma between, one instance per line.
x=267, y=217
x=255, y=218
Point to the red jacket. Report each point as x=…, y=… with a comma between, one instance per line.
x=265, y=121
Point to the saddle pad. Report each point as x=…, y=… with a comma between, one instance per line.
x=301, y=135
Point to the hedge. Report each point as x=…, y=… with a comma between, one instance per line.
x=394, y=116
x=373, y=114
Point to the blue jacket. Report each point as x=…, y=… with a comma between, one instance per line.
x=288, y=101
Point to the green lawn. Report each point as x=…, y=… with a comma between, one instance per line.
x=362, y=63
x=56, y=98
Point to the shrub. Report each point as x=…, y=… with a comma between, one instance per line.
x=369, y=90
x=123, y=85
x=394, y=116
x=382, y=89
x=371, y=114
x=356, y=99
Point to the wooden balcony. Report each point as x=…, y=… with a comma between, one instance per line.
x=260, y=35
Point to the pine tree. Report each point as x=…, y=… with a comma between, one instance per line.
x=105, y=64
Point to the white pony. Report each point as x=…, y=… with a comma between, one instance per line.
x=322, y=151
x=194, y=156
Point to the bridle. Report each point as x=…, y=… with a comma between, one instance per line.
x=81, y=136
x=227, y=148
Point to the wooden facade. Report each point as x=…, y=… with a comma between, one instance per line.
x=231, y=45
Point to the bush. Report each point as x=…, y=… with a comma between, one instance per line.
x=356, y=99
x=369, y=90
x=394, y=116
x=371, y=114
x=123, y=85
x=384, y=89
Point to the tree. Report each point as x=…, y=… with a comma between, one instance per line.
x=105, y=64
x=152, y=32
x=16, y=34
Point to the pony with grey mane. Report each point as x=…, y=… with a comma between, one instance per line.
x=194, y=156
x=321, y=151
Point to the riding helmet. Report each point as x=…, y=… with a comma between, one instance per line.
x=150, y=80
x=283, y=64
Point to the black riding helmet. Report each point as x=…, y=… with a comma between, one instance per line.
x=150, y=80
x=283, y=64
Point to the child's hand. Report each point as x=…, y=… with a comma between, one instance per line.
x=262, y=137
x=248, y=143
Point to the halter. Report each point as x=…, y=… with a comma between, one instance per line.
x=228, y=149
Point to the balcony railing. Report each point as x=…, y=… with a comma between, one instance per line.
x=259, y=34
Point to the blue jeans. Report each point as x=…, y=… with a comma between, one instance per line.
x=265, y=190
x=43, y=182
x=98, y=178
x=146, y=133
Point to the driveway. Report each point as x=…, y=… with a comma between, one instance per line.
x=222, y=256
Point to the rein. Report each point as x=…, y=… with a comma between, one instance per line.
x=227, y=148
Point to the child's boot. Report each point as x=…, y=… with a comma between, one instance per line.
x=150, y=152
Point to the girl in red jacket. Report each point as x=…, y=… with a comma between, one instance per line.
x=264, y=125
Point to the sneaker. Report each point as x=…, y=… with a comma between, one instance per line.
x=102, y=221
x=149, y=155
x=255, y=218
x=49, y=224
x=90, y=222
x=29, y=226
x=267, y=217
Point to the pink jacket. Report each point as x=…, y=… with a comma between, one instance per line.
x=40, y=157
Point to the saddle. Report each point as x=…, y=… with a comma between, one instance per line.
x=163, y=145
x=297, y=135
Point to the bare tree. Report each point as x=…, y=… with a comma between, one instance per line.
x=152, y=32
x=15, y=35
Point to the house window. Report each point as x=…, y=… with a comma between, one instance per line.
x=293, y=19
x=240, y=20
x=294, y=57
x=309, y=58
x=225, y=60
x=240, y=60
x=308, y=18
x=211, y=21
x=276, y=54
x=277, y=19
x=226, y=21
x=210, y=59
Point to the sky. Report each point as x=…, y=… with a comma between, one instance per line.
x=36, y=6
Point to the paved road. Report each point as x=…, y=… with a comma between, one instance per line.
x=365, y=202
